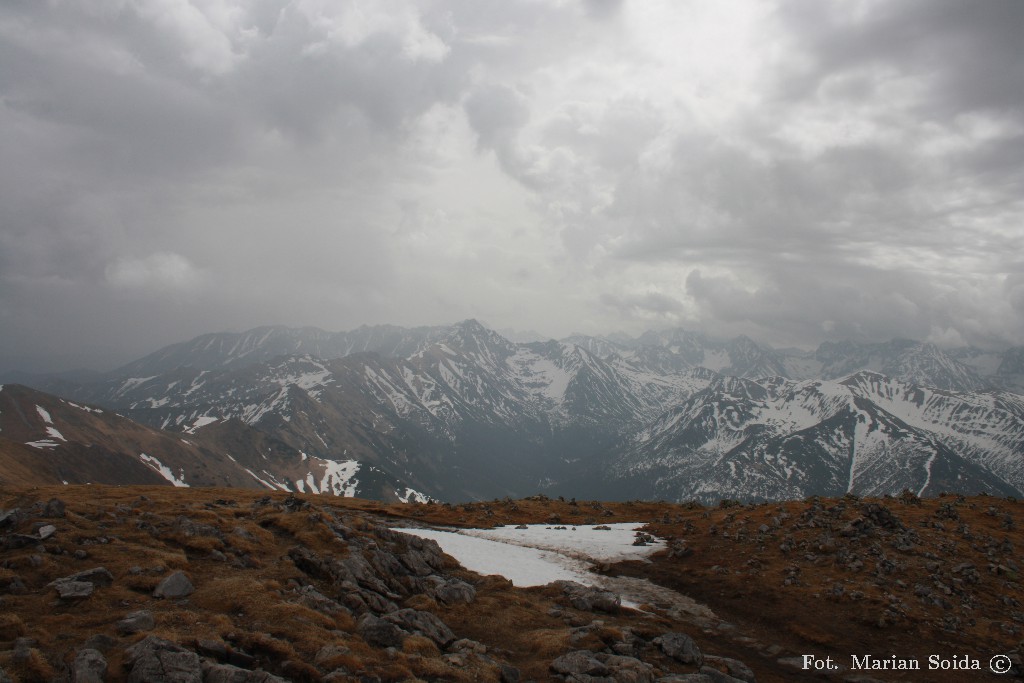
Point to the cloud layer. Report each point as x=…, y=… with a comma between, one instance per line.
x=795, y=170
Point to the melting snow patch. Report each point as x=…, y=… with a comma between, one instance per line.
x=44, y=414
x=539, y=554
x=522, y=566
x=612, y=545
x=164, y=471
x=44, y=443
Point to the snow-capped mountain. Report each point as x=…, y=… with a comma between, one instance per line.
x=866, y=434
x=460, y=412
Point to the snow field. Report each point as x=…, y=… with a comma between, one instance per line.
x=540, y=554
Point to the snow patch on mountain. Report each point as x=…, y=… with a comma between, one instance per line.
x=200, y=422
x=164, y=471
x=339, y=478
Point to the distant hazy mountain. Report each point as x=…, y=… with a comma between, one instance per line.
x=459, y=411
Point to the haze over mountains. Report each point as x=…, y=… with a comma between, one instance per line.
x=459, y=412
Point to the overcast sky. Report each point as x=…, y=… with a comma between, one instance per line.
x=794, y=170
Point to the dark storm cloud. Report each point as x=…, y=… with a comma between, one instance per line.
x=795, y=170
x=968, y=53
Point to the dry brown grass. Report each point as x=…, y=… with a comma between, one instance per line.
x=246, y=599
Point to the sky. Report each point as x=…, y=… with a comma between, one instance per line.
x=793, y=170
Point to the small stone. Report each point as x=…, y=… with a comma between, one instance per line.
x=174, y=586
x=46, y=531
x=136, y=622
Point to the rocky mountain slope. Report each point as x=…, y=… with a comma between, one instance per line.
x=45, y=439
x=460, y=412
x=103, y=584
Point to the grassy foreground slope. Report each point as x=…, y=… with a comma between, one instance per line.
x=314, y=588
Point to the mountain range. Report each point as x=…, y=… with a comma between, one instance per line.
x=460, y=412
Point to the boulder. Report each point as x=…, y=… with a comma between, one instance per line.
x=73, y=590
x=156, y=659
x=225, y=673
x=377, y=631
x=628, y=669
x=589, y=598
x=455, y=591
x=680, y=647
x=579, y=662
x=89, y=667
x=423, y=623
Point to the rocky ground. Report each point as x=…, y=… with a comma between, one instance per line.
x=153, y=583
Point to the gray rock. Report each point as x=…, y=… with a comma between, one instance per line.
x=46, y=531
x=579, y=662
x=173, y=586
x=155, y=659
x=686, y=678
x=455, y=591
x=136, y=622
x=424, y=623
x=589, y=598
x=97, y=576
x=377, y=631
x=54, y=507
x=680, y=647
x=628, y=669
x=314, y=599
x=8, y=517
x=225, y=673
x=733, y=667
x=89, y=667
x=73, y=590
